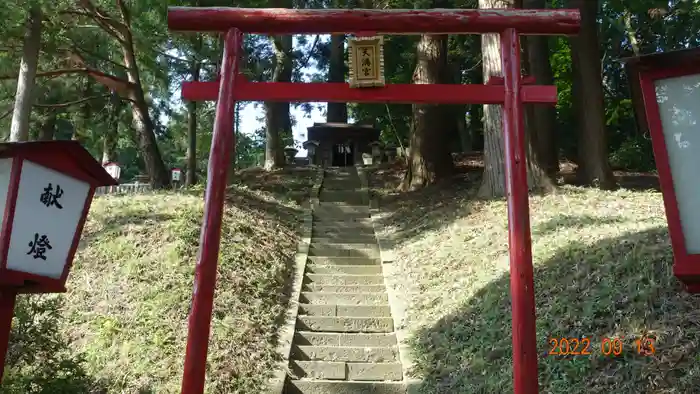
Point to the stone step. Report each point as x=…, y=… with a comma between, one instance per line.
x=339, y=244
x=355, y=199
x=342, y=235
x=350, y=197
x=342, y=229
x=345, y=324
x=343, y=209
x=344, y=339
x=347, y=237
x=345, y=353
x=342, y=184
x=345, y=310
x=325, y=217
x=342, y=279
x=341, y=180
x=336, y=204
x=337, y=370
x=344, y=250
x=346, y=190
x=341, y=220
x=341, y=188
x=344, y=288
x=338, y=177
x=340, y=208
x=348, y=222
x=319, y=241
x=344, y=269
x=350, y=200
x=342, y=260
x=344, y=298
x=338, y=387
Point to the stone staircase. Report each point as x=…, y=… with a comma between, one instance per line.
x=344, y=341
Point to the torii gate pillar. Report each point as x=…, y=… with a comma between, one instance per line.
x=510, y=92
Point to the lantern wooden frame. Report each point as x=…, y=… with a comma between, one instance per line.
x=644, y=71
x=68, y=158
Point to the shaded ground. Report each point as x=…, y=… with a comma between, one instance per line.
x=121, y=328
x=602, y=269
x=290, y=183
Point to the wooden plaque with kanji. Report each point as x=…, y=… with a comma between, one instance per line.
x=366, y=58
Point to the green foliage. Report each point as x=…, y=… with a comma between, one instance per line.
x=40, y=360
x=166, y=60
x=634, y=153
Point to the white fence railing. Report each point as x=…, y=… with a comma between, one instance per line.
x=125, y=188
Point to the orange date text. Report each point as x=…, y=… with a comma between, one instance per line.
x=569, y=346
x=609, y=346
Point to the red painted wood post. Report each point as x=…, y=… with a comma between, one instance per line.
x=222, y=145
x=280, y=21
x=340, y=92
x=519, y=241
x=7, y=309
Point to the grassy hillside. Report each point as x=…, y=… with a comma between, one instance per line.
x=602, y=269
x=121, y=328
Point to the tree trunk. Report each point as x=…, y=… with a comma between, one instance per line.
x=543, y=120
x=593, y=166
x=457, y=114
x=337, y=112
x=493, y=181
x=476, y=113
x=191, y=175
x=277, y=114
x=429, y=157
x=143, y=125
x=48, y=128
x=19, y=128
x=111, y=135
x=465, y=138
x=476, y=126
x=635, y=88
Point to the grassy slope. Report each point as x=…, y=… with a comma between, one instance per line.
x=122, y=325
x=602, y=269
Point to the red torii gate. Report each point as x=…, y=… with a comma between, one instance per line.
x=509, y=91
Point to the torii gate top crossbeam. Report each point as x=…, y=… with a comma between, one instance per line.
x=328, y=21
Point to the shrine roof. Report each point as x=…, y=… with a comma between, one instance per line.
x=334, y=131
x=72, y=151
x=664, y=59
x=342, y=126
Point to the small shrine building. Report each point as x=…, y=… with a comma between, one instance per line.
x=340, y=144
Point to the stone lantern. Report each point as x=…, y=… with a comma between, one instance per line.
x=113, y=169
x=390, y=152
x=290, y=153
x=376, y=151
x=311, y=147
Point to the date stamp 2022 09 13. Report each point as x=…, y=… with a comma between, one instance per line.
x=608, y=346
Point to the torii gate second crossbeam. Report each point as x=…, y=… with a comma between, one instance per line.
x=510, y=91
